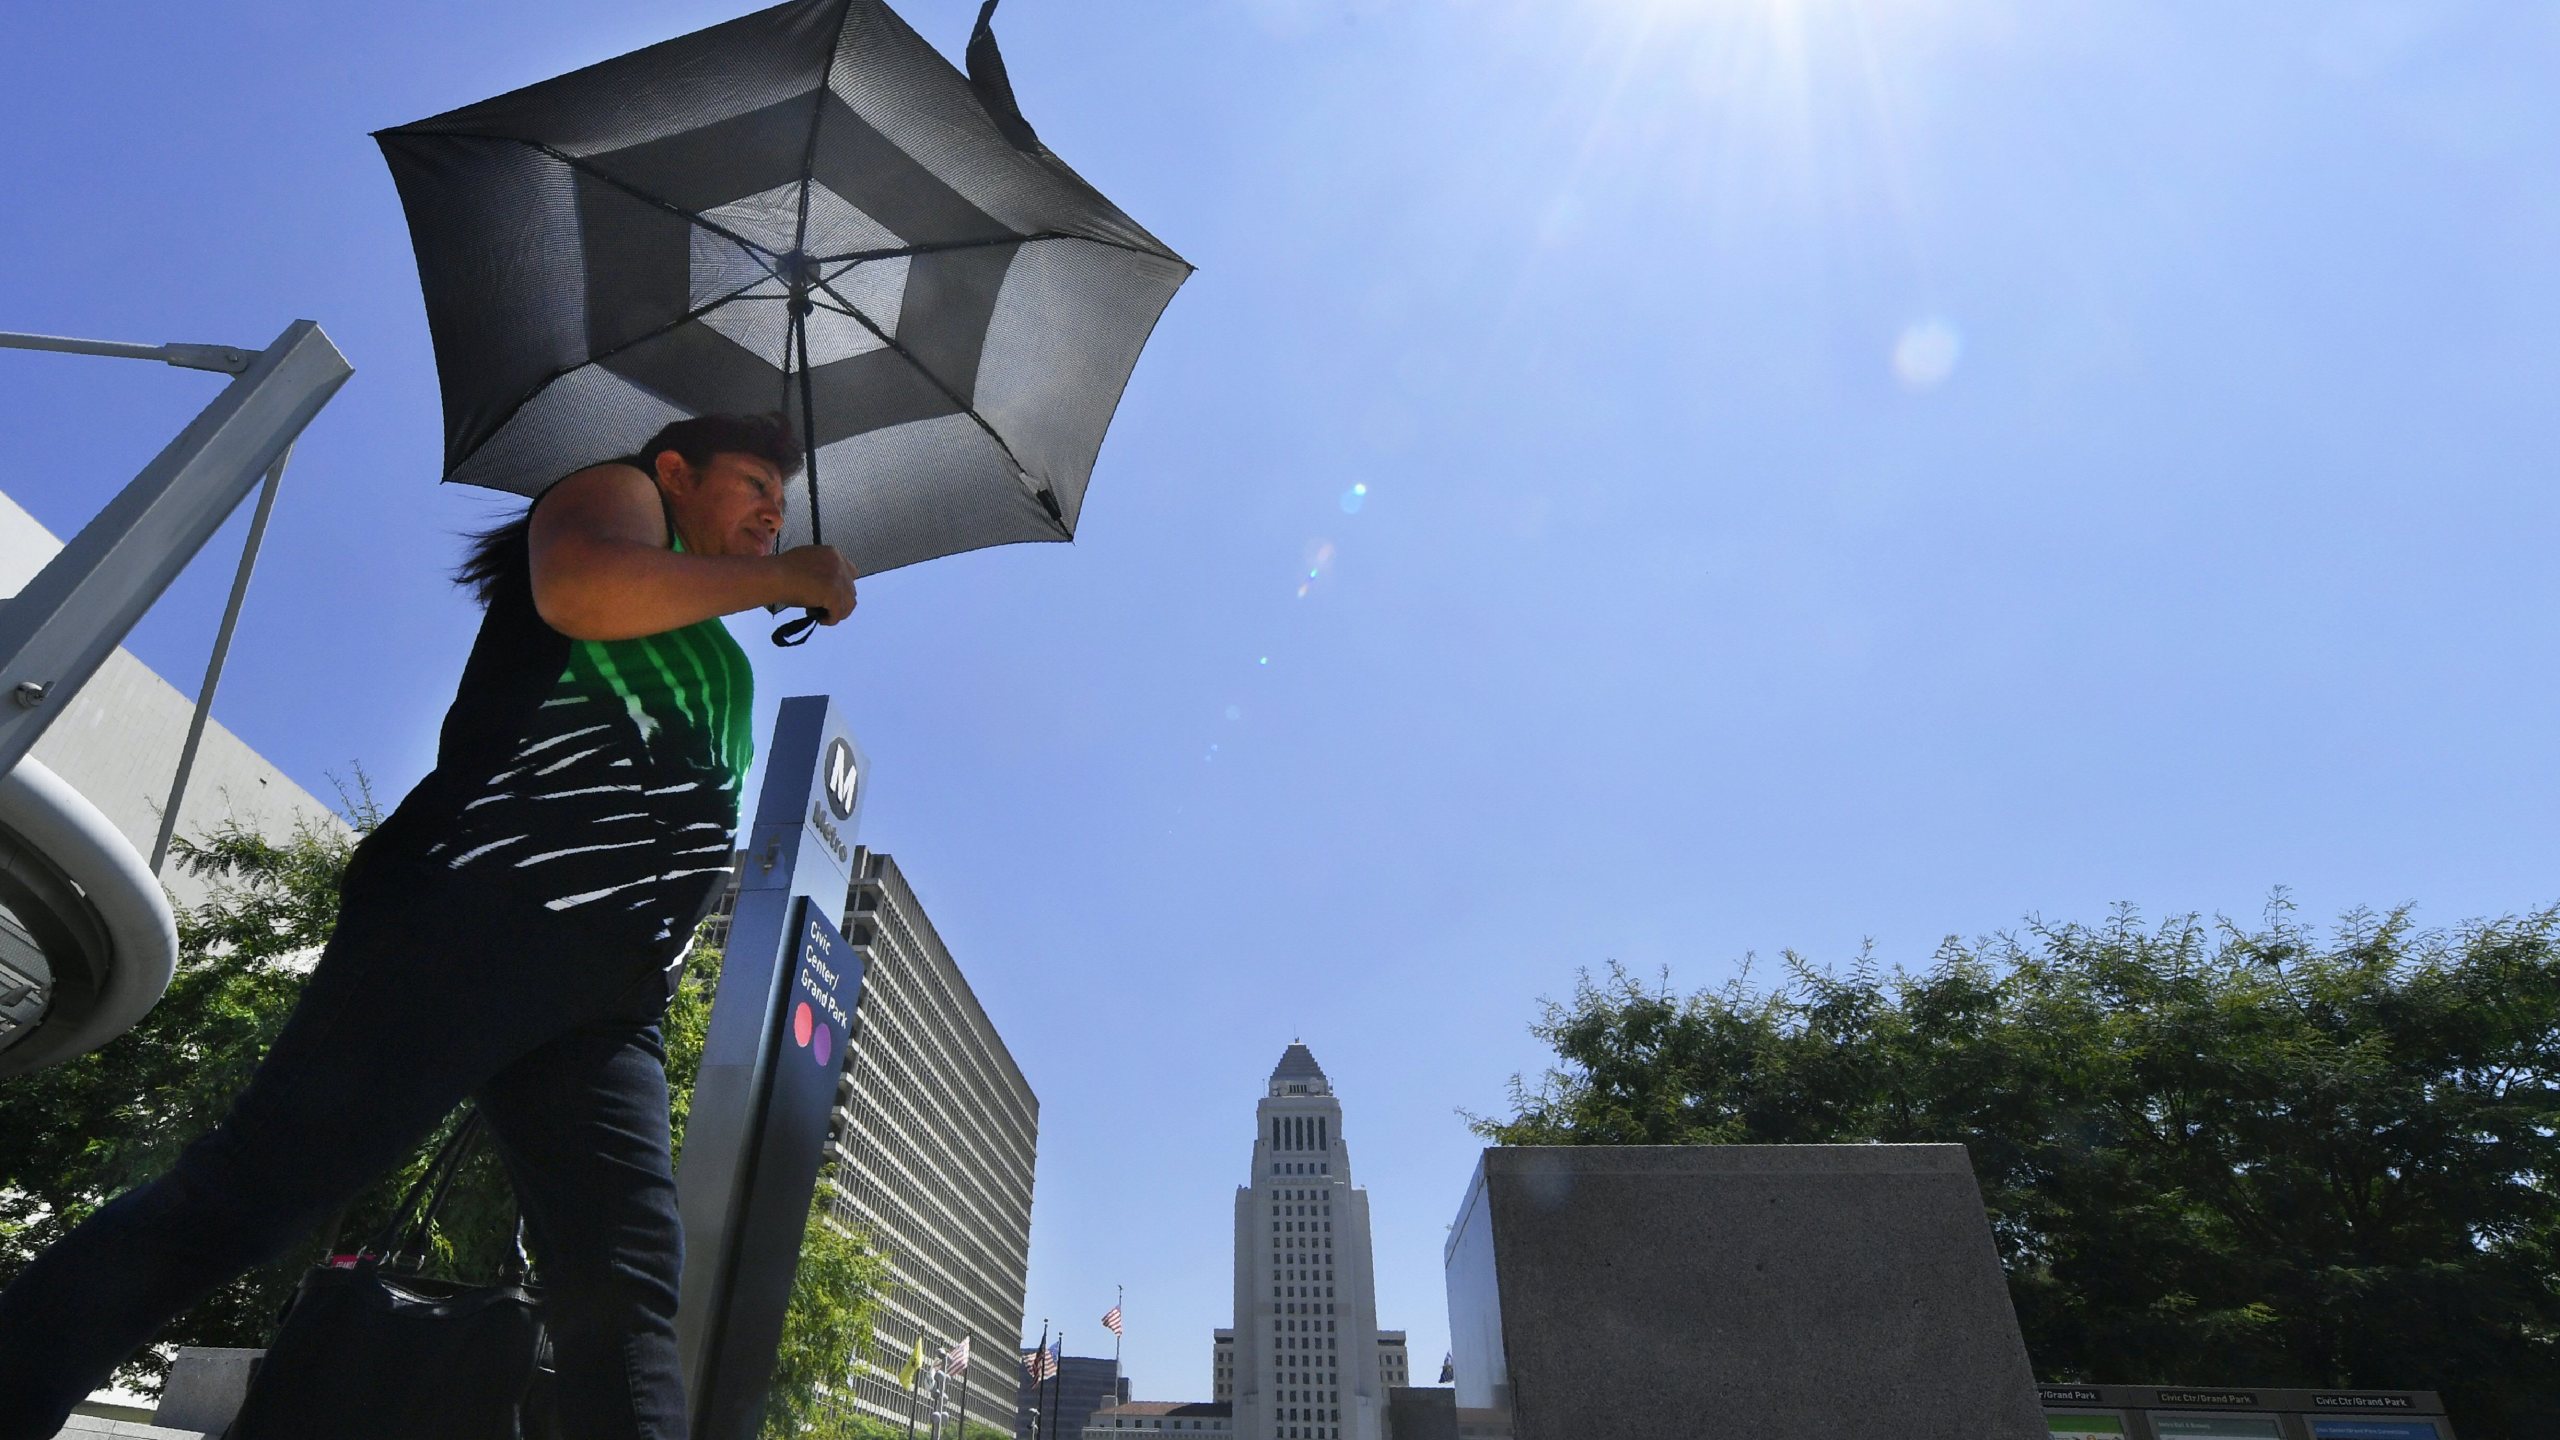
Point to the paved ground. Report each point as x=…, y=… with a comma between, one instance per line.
x=95, y=1427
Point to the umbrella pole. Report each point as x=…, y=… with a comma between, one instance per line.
x=808, y=413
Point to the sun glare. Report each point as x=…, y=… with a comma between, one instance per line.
x=1749, y=99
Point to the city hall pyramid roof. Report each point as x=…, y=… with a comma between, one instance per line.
x=1299, y=1063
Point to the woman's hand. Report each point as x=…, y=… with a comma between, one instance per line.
x=820, y=579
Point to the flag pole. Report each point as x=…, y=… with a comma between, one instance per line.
x=1058, y=1386
x=964, y=1401
x=915, y=1382
x=1039, y=1378
x=1119, y=1298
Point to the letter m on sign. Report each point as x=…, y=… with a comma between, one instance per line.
x=843, y=774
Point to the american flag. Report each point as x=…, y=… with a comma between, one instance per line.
x=1049, y=1365
x=955, y=1361
x=1040, y=1365
x=1111, y=1320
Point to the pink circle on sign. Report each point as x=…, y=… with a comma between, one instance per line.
x=800, y=1022
x=826, y=1042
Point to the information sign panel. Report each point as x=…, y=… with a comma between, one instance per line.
x=2169, y=1426
x=2083, y=1425
x=770, y=1059
x=2323, y=1428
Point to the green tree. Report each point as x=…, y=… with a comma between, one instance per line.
x=75, y=1135
x=2211, y=1154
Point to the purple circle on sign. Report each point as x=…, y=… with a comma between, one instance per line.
x=824, y=1041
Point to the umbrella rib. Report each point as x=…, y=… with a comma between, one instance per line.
x=944, y=247
x=809, y=148
x=1048, y=500
x=799, y=330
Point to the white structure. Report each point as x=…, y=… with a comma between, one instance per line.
x=1306, y=1357
x=1188, y=1418
x=115, y=746
x=1392, y=1369
x=118, y=741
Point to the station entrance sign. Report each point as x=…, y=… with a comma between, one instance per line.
x=2165, y=1412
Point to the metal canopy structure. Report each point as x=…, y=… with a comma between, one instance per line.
x=87, y=941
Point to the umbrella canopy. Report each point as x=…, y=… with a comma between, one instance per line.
x=806, y=209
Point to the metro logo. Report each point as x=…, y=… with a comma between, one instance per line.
x=842, y=775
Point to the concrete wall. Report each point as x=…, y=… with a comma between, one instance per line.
x=118, y=741
x=1783, y=1292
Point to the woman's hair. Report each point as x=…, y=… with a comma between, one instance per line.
x=495, y=552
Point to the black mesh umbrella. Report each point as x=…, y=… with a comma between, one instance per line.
x=805, y=209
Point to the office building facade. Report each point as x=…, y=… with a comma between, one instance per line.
x=931, y=1155
x=1060, y=1408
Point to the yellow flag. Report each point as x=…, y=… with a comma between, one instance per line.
x=915, y=1366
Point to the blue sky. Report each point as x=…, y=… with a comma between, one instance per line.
x=1835, y=469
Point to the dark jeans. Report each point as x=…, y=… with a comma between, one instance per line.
x=432, y=992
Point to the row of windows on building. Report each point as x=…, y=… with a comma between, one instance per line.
x=1301, y=1167
x=1300, y=1132
x=888, y=1104
x=976, y=1071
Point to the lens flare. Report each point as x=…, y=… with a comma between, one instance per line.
x=1319, y=559
x=1926, y=354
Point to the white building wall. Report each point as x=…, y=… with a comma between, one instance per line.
x=117, y=742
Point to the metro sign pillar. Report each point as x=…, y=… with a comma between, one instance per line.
x=779, y=1028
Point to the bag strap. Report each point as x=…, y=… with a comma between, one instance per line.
x=408, y=1225
x=517, y=1267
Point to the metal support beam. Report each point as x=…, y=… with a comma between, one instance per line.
x=58, y=630
x=222, y=359
x=221, y=652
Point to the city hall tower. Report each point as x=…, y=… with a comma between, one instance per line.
x=1306, y=1360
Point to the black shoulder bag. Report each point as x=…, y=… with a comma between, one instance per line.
x=370, y=1347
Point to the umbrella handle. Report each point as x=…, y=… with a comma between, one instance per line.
x=797, y=632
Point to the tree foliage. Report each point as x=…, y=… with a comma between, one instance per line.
x=75, y=1135
x=2211, y=1154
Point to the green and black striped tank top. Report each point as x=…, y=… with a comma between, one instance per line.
x=595, y=778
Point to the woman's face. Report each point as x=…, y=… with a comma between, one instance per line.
x=732, y=506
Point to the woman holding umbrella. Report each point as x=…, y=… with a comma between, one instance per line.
x=508, y=935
